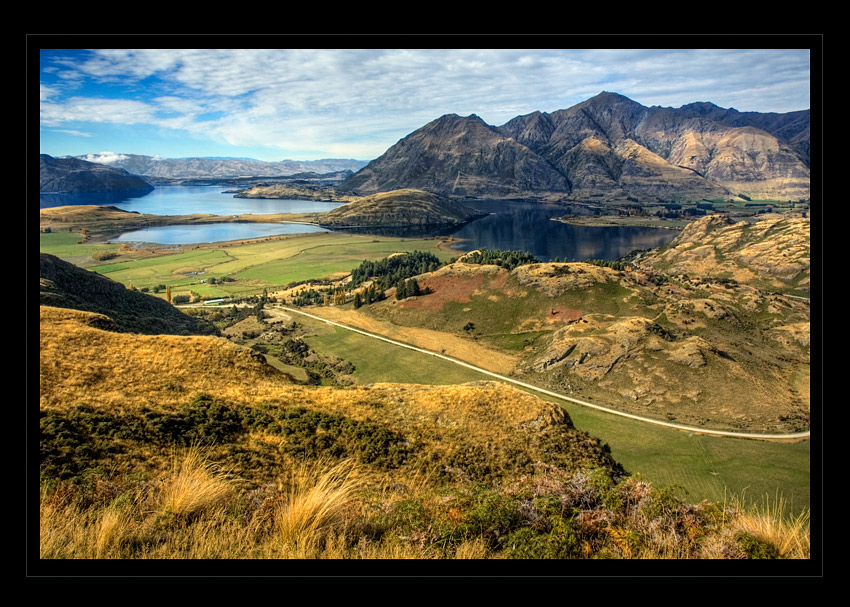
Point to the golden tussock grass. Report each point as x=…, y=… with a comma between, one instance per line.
x=82, y=364
x=770, y=523
x=195, y=486
x=317, y=507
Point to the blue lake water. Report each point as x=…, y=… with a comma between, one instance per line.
x=214, y=232
x=508, y=225
x=187, y=200
x=529, y=227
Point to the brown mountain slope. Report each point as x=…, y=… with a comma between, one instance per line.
x=607, y=148
x=458, y=156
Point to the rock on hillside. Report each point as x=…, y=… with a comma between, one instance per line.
x=399, y=208
x=64, y=285
x=773, y=252
x=75, y=175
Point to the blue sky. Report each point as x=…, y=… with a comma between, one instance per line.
x=306, y=104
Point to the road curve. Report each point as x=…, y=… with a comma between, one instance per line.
x=517, y=382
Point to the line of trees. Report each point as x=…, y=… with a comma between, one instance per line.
x=506, y=259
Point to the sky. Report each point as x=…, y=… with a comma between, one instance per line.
x=308, y=104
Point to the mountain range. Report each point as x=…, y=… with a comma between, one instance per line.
x=606, y=148
x=154, y=167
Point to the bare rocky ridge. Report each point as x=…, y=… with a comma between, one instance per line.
x=458, y=156
x=606, y=148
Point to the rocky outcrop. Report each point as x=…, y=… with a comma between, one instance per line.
x=74, y=175
x=591, y=346
x=772, y=252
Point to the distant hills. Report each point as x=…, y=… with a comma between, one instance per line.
x=223, y=168
x=75, y=175
x=606, y=148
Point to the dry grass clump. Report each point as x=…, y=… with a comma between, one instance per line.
x=769, y=523
x=318, y=507
x=195, y=486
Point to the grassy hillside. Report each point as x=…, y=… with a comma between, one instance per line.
x=255, y=466
x=64, y=285
x=189, y=446
x=719, y=355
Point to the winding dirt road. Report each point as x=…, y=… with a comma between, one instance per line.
x=504, y=378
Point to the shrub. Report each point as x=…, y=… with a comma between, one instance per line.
x=754, y=548
x=103, y=255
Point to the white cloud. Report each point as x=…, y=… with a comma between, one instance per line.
x=73, y=132
x=368, y=99
x=105, y=157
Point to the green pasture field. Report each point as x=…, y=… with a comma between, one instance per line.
x=328, y=254
x=378, y=361
x=706, y=467
x=254, y=266
x=64, y=245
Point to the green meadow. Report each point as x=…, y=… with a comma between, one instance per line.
x=704, y=467
x=249, y=267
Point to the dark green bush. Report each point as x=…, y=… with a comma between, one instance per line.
x=754, y=548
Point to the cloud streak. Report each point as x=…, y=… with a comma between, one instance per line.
x=363, y=101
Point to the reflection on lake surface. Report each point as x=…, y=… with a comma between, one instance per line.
x=529, y=227
x=509, y=226
x=214, y=232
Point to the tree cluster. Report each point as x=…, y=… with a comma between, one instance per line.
x=387, y=272
x=408, y=288
x=506, y=259
x=370, y=294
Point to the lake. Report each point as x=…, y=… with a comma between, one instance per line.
x=508, y=226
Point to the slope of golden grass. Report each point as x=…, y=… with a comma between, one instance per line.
x=83, y=364
x=550, y=499
x=774, y=251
